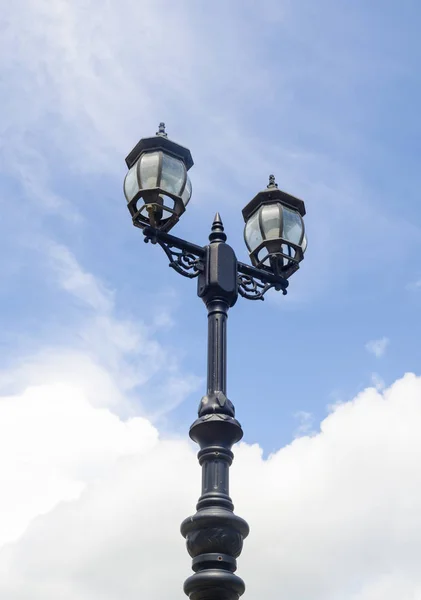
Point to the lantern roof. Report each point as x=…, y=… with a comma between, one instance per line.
x=270, y=195
x=160, y=141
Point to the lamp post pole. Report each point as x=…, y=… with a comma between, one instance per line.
x=274, y=234
x=214, y=535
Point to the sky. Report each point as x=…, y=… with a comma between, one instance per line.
x=103, y=348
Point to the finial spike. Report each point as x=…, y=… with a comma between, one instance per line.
x=272, y=182
x=217, y=234
x=217, y=220
x=161, y=130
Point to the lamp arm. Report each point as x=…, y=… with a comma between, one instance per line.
x=253, y=283
x=184, y=257
x=188, y=260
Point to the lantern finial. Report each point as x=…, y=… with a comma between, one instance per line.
x=161, y=130
x=272, y=182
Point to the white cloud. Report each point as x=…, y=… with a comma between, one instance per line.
x=305, y=423
x=377, y=347
x=101, y=79
x=378, y=382
x=57, y=431
x=81, y=284
x=63, y=366
x=52, y=443
x=332, y=516
x=124, y=347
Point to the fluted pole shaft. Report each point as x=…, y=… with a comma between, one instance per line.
x=217, y=346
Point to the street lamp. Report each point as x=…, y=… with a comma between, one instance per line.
x=157, y=189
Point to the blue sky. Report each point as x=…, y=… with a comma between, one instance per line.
x=326, y=98
x=325, y=95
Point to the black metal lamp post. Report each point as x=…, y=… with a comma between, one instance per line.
x=157, y=189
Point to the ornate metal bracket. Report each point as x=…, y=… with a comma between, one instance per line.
x=251, y=289
x=185, y=258
x=254, y=283
x=188, y=260
x=183, y=262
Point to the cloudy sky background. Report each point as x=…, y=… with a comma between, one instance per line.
x=103, y=363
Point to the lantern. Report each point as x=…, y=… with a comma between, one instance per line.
x=157, y=187
x=274, y=231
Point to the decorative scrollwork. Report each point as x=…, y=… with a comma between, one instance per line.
x=250, y=288
x=182, y=260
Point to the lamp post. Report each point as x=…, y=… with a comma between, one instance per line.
x=157, y=189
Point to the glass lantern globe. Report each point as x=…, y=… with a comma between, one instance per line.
x=274, y=230
x=157, y=187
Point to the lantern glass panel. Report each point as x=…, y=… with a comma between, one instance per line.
x=131, y=186
x=271, y=221
x=304, y=243
x=252, y=232
x=149, y=164
x=293, y=226
x=186, y=195
x=288, y=250
x=173, y=174
x=263, y=254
